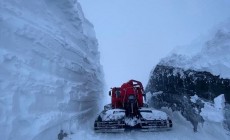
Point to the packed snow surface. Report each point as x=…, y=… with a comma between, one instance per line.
x=182, y=130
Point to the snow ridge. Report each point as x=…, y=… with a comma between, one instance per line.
x=211, y=55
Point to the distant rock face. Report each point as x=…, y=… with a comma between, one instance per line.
x=50, y=72
x=179, y=86
x=176, y=80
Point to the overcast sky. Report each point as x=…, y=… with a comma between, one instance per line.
x=134, y=35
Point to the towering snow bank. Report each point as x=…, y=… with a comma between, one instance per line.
x=49, y=68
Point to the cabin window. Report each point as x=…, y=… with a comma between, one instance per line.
x=118, y=94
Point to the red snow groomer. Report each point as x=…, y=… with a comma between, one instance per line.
x=128, y=111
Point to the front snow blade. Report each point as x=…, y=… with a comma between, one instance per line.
x=156, y=125
x=109, y=127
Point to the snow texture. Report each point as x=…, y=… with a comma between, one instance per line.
x=146, y=113
x=112, y=114
x=194, y=98
x=153, y=114
x=131, y=121
x=210, y=53
x=50, y=73
x=181, y=131
x=214, y=112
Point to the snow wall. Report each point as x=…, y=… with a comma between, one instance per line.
x=50, y=72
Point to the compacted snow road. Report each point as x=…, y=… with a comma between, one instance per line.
x=182, y=130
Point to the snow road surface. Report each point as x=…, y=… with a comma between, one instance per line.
x=182, y=130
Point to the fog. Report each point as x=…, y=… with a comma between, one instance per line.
x=134, y=35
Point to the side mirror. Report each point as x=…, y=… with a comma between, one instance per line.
x=110, y=93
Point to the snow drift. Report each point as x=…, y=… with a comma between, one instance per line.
x=50, y=73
